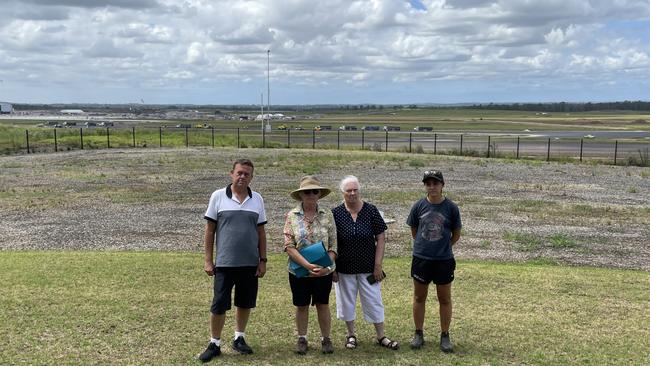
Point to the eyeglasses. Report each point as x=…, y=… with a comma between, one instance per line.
x=431, y=172
x=312, y=191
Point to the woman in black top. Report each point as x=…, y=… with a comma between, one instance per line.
x=361, y=241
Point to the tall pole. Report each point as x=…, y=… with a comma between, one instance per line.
x=262, y=106
x=268, y=82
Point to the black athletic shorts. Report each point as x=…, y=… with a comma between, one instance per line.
x=244, y=281
x=440, y=272
x=310, y=290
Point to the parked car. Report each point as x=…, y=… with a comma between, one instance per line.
x=348, y=128
x=183, y=125
x=422, y=128
x=391, y=128
x=90, y=124
x=282, y=127
x=370, y=128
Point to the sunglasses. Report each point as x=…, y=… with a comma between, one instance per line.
x=312, y=191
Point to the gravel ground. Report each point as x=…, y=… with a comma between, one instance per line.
x=151, y=199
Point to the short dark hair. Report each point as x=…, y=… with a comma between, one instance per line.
x=243, y=161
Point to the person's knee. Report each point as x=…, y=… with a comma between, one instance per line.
x=302, y=309
x=419, y=298
x=444, y=300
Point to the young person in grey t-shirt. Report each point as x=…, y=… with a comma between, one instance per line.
x=435, y=227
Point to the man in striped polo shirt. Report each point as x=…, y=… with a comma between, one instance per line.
x=236, y=218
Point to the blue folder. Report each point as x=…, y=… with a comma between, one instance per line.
x=315, y=254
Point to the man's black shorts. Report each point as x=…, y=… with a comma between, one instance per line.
x=440, y=272
x=314, y=290
x=244, y=281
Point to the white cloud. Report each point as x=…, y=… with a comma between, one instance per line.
x=155, y=44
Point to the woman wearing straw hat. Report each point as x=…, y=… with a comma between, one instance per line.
x=305, y=225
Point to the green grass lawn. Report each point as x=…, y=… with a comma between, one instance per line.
x=152, y=308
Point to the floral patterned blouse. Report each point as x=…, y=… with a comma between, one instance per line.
x=299, y=232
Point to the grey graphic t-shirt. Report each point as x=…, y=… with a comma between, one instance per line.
x=434, y=223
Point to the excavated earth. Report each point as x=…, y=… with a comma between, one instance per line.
x=154, y=199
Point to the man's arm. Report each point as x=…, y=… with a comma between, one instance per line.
x=208, y=243
x=261, y=267
x=455, y=235
x=414, y=232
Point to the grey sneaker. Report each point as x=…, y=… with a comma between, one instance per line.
x=301, y=346
x=418, y=340
x=326, y=345
x=445, y=342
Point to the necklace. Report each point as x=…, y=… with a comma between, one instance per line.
x=310, y=219
x=355, y=210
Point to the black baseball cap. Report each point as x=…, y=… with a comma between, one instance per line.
x=433, y=174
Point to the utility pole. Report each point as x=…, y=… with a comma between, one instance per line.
x=268, y=84
x=262, y=106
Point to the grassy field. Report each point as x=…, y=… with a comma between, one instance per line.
x=63, y=307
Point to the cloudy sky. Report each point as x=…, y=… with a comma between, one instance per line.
x=322, y=52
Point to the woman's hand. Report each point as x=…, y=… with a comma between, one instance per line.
x=378, y=273
x=320, y=271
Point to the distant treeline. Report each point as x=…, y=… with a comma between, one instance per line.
x=315, y=108
x=568, y=107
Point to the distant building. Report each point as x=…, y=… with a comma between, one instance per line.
x=6, y=108
x=270, y=116
x=71, y=111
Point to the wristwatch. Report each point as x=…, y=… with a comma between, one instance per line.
x=263, y=259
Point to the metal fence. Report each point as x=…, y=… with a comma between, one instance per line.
x=633, y=152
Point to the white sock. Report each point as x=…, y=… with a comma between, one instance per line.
x=216, y=341
x=239, y=334
x=302, y=336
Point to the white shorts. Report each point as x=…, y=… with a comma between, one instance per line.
x=347, y=288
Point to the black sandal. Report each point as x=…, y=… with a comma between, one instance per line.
x=351, y=342
x=387, y=343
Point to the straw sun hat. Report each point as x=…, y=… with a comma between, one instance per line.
x=307, y=183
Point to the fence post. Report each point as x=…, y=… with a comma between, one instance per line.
x=581, y=143
x=517, y=147
x=187, y=138
x=81, y=137
x=313, y=139
x=363, y=139
x=386, y=140
x=159, y=136
x=615, y=151
x=212, y=130
x=55, y=141
x=410, y=140
x=238, y=138
x=108, y=138
x=461, y=144
x=288, y=138
x=548, y=150
x=133, y=134
x=435, y=143
x=27, y=139
x=488, y=151
x=264, y=137
x=338, y=139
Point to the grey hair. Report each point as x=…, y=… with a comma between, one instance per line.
x=349, y=179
